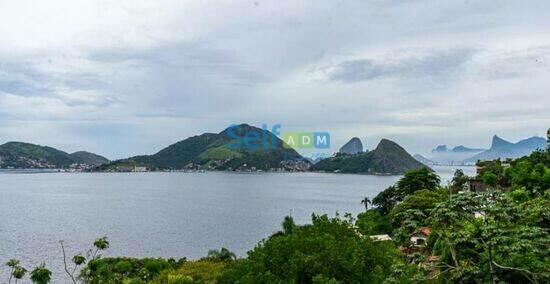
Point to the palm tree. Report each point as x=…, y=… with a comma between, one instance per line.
x=18, y=273
x=41, y=275
x=13, y=264
x=288, y=224
x=366, y=201
x=223, y=254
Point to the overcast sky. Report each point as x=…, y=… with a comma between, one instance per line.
x=130, y=77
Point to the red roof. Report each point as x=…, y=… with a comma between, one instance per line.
x=425, y=230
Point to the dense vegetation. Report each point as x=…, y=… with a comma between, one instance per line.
x=387, y=158
x=497, y=236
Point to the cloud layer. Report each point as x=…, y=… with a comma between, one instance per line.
x=130, y=77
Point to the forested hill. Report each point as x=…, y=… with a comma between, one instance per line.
x=387, y=158
x=22, y=155
x=229, y=149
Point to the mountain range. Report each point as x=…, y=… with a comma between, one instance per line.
x=26, y=155
x=500, y=148
x=503, y=149
x=387, y=158
x=239, y=147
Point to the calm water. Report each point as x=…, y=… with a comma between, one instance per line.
x=165, y=214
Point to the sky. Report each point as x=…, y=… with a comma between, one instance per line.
x=122, y=78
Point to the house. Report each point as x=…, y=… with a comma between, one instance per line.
x=140, y=169
x=380, y=238
x=130, y=168
x=418, y=237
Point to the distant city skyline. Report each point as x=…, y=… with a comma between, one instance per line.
x=131, y=77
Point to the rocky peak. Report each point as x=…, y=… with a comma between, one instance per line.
x=353, y=146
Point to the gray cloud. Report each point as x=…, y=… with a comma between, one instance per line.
x=433, y=63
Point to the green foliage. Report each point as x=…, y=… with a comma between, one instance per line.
x=418, y=179
x=12, y=263
x=502, y=242
x=413, y=180
x=327, y=250
x=288, y=225
x=490, y=179
x=19, y=155
x=372, y=222
x=79, y=259
x=119, y=269
x=41, y=275
x=19, y=272
x=534, y=178
x=459, y=181
x=366, y=202
x=221, y=255
x=387, y=199
x=200, y=271
x=423, y=201
x=219, y=153
x=16, y=270
x=101, y=243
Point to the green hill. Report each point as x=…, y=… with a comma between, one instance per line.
x=26, y=155
x=387, y=158
x=238, y=147
x=83, y=157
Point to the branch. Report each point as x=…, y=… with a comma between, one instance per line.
x=518, y=269
x=65, y=263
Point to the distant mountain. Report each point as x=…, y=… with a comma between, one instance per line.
x=442, y=155
x=353, y=146
x=26, y=155
x=503, y=149
x=462, y=149
x=424, y=160
x=440, y=148
x=83, y=157
x=230, y=149
x=387, y=158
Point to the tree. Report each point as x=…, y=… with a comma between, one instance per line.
x=12, y=264
x=366, y=201
x=99, y=245
x=412, y=181
x=288, y=225
x=18, y=273
x=41, y=275
x=418, y=179
x=492, y=238
x=386, y=200
x=373, y=223
x=458, y=183
x=222, y=255
x=328, y=249
x=422, y=200
x=490, y=179
x=77, y=261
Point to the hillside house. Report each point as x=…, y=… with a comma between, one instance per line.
x=419, y=237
